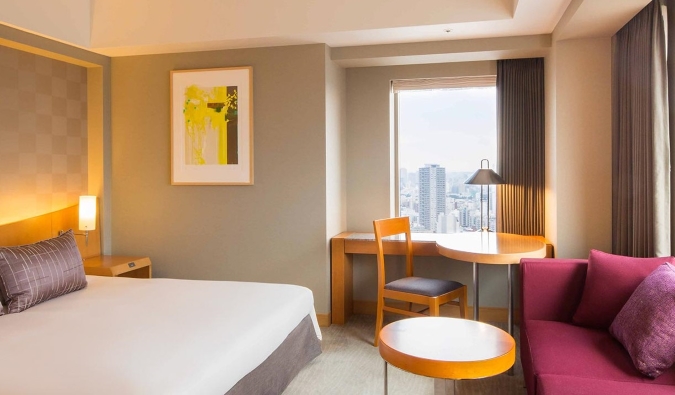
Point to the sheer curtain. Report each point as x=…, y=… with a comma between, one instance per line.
x=640, y=138
x=520, y=146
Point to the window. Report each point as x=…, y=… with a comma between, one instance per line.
x=445, y=127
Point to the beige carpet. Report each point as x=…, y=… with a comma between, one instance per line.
x=349, y=364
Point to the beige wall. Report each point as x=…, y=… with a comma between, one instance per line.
x=580, y=147
x=336, y=147
x=370, y=172
x=550, y=157
x=578, y=157
x=272, y=231
x=97, y=111
x=43, y=134
x=277, y=229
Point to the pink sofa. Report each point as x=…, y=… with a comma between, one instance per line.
x=560, y=358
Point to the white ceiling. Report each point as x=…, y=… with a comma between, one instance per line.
x=133, y=27
x=170, y=25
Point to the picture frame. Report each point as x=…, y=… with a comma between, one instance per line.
x=212, y=126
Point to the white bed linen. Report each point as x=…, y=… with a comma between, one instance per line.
x=159, y=336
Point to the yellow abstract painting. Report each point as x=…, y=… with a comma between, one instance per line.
x=212, y=126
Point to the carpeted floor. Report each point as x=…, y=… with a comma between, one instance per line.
x=350, y=365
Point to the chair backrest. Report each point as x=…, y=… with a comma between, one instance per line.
x=391, y=227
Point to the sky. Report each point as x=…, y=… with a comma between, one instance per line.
x=454, y=128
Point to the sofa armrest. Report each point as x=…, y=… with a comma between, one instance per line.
x=551, y=288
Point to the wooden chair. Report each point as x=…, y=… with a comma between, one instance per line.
x=427, y=291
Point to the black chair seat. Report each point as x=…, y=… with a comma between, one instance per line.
x=423, y=286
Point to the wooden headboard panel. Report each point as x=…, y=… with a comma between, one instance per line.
x=47, y=226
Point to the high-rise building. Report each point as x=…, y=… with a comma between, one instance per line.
x=441, y=223
x=403, y=177
x=447, y=223
x=431, y=195
x=465, y=217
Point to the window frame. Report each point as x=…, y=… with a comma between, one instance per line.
x=440, y=83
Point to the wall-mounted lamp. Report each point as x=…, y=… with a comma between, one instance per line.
x=87, y=217
x=485, y=176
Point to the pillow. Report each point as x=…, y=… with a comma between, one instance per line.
x=34, y=273
x=610, y=281
x=646, y=323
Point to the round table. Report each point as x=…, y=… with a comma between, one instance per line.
x=491, y=248
x=446, y=348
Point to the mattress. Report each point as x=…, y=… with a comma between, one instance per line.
x=149, y=336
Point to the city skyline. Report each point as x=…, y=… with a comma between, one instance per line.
x=441, y=202
x=442, y=137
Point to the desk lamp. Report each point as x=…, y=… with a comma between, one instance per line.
x=485, y=176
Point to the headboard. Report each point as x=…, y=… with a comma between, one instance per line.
x=47, y=226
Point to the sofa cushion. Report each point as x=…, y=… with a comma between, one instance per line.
x=610, y=281
x=551, y=287
x=646, y=323
x=551, y=384
x=568, y=350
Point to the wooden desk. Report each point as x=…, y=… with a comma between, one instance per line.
x=491, y=248
x=344, y=245
x=446, y=348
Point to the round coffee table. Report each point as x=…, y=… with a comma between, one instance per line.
x=446, y=348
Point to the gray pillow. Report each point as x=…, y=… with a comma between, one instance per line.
x=34, y=273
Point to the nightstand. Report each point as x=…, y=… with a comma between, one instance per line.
x=118, y=266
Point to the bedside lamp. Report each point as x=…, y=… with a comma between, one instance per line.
x=485, y=176
x=87, y=215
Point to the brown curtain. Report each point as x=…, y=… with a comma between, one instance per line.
x=640, y=138
x=670, y=56
x=520, y=146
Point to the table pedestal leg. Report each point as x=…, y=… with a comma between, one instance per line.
x=445, y=387
x=385, y=378
x=475, y=291
x=509, y=288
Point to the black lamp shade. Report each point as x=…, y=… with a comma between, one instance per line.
x=485, y=177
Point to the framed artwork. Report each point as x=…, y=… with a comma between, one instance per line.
x=212, y=126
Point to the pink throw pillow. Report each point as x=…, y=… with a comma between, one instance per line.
x=610, y=281
x=646, y=323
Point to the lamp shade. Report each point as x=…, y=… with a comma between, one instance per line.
x=87, y=212
x=485, y=177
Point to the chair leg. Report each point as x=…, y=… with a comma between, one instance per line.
x=462, y=304
x=434, y=308
x=378, y=320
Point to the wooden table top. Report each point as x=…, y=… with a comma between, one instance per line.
x=490, y=247
x=449, y=348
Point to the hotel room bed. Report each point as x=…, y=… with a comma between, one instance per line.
x=161, y=336
x=68, y=333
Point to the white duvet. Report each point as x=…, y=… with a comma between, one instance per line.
x=159, y=336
